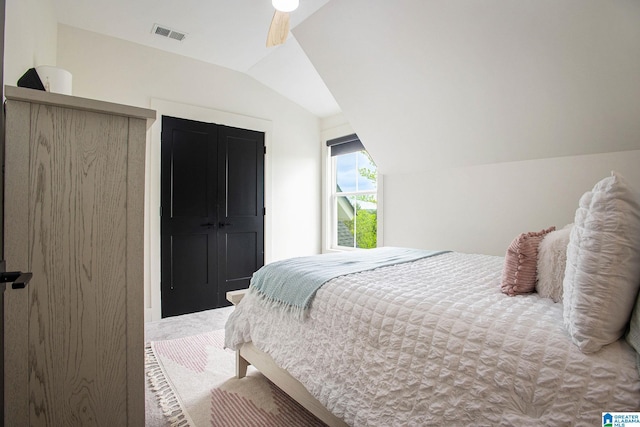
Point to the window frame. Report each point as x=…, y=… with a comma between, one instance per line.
x=330, y=206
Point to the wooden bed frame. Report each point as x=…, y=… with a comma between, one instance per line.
x=248, y=354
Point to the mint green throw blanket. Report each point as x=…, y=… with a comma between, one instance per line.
x=292, y=283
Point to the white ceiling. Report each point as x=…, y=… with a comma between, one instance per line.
x=228, y=33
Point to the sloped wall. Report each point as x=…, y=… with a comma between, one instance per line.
x=428, y=84
x=487, y=119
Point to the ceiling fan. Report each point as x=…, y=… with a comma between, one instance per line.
x=279, y=28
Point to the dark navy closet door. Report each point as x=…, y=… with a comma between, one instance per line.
x=212, y=207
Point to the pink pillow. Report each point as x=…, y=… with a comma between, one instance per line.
x=520, y=263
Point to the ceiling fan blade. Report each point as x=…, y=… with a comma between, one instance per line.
x=279, y=29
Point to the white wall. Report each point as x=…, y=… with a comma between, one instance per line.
x=31, y=29
x=487, y=118
x=480, y=209
x=110, y=69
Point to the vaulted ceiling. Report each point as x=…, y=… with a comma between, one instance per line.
x=228, y=33
x=425, y=83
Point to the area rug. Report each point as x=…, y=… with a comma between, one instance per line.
x=194, y=382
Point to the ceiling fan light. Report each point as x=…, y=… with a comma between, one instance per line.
x=285, y=5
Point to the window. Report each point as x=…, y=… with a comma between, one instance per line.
x=354, y=198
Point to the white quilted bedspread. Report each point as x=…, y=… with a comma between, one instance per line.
x=435, y=342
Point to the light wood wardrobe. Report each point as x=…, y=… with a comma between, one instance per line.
x=74, y=202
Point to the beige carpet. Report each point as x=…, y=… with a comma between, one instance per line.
x=178, y=327
x=192, y=381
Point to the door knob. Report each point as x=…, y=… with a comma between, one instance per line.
x=224, y=224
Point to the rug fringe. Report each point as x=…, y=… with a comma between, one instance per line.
x=168, y=401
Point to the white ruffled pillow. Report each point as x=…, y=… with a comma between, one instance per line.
x=602, y=275
x=552, y=259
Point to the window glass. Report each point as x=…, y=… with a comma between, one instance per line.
x=355, y=172
x=355, y=204
x=346, y=172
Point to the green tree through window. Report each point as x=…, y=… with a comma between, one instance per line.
x=366, y=232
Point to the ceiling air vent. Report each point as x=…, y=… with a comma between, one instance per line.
x=165, y=31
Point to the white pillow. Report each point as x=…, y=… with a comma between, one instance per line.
x=602, y=275
x=552, y=259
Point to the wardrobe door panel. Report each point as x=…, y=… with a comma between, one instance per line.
x=74, y=218
x=77, y=325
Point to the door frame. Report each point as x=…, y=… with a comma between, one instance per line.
x=152, y=295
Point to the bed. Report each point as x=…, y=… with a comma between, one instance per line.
x=437, y=341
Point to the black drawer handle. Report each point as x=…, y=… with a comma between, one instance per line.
x=20, y=280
